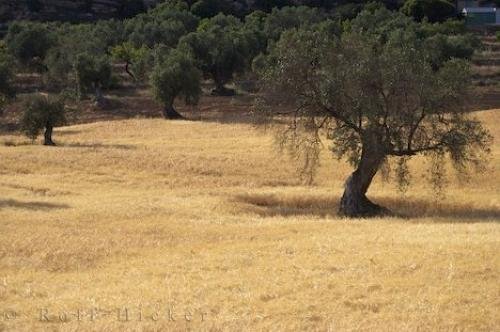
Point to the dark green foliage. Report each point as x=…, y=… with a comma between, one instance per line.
x=175, y=75
x=441, y=41
x=29, y=42
x=433, y=10
x=163, y=25
x=221, y=48
x=291, y=17
x=136, y=60
x=443, y=48
x=92, y=73
x=59, y=66
x=42, y=112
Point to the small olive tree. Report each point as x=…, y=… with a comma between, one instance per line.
x=133, y=58
x=175, y=75
x=43, y=113
x=373, y=98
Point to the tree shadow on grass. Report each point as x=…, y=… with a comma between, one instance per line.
x=272, y=205
x=35, y=206
x=97, y=146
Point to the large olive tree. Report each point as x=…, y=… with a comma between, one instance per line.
x=374, y=96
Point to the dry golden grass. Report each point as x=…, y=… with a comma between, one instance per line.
x=206, y=219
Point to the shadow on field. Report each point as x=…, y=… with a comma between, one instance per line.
x=10, y=203
x=97, y=146
x=450, y=212
x=270, y=205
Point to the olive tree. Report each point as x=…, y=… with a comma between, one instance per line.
x=173, y=76
x=43, y=113
x=373, y=99
x=165, y=24
x=221, y=48
x=133, y=58
x=93, y=73
x=433, y=10
x=29, y=43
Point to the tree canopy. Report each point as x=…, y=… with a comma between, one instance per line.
x=375, y=94
x=175, y=75
x=220, y=48
x=43, y=112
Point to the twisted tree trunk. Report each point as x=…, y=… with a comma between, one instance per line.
x=170, y=113
x=127, y=70
x=48, y=135
x=354, y=202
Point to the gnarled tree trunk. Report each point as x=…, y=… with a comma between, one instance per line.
x=354, y=202
x=48, y=135
x=170, y=113
x=127, y=70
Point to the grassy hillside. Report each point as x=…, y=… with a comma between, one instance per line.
x=204, y=219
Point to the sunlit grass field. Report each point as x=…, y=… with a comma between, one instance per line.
x=203, y=226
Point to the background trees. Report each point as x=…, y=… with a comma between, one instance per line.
x=433, y=10
x=221, y=48
x=175, y=75
x=375, y=94
x=163, y=25
x=43, y=113
x=92, y=75
x=7, y=91
x=29, y=43
x=134, y=59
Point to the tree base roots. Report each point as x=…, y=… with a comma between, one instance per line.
x=362, y=208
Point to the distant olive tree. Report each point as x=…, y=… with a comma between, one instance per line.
x=29, y=43
x=93, y=73
x=175, y=75
x=433, y=10
x=43, y=113
x=165, y=24
x=133, y=58
x=221, y=47
x=373, y=98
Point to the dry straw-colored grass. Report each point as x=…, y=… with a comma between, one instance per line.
x=206, y=218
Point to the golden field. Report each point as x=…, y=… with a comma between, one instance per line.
x=203, y=226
